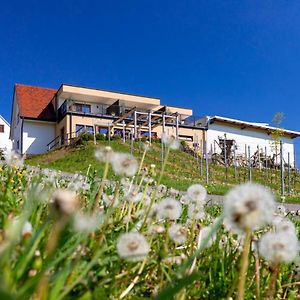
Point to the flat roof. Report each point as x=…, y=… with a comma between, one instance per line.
x=245, y=124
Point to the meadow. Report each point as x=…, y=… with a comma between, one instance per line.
x=123, y=233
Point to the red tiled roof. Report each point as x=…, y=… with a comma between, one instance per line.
x=35, y=102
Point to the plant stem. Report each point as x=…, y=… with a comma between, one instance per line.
x=244, y=265
x=272, y=284
x=101, y=187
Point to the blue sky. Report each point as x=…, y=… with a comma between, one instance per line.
x=239, y=59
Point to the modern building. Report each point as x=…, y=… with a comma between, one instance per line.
x=43, y=118
x=5, y=142
x=248, y=137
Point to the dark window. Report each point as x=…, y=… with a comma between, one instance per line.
x=84, y=128
x=1, y=128
x=18, y=144
x=85, y=108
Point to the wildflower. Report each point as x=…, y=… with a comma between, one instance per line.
x=27, y=230
x=173, y=192
x=248, y=206
x=86, y=223
x=146, y=146
x=278, y=247
x=13, y=159
x=204, y=234
x=169, y=208
x=196, y=211
x=197, y=192
x=65, y=201
x=178, y=233
x=132, y=246
x=156, y=229
x=104, y=154
x=280, y=210
x=109, y=200
x=170, y=141
x=124, y=164
x=284, y=225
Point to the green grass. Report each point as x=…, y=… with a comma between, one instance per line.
x=182, y=169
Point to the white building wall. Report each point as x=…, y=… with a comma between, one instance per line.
x=247, y=137
x=36, y=136
x=17, y=132
x=5, y=142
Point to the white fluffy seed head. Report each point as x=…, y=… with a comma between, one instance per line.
x=178, y=233
x=197, y=192
x=65, y=202
x=196, y=211
x=27, y=229
x=86, y=223
x=249, y=206
x=169, y=208
x=279, y=247
x=104, y=154
x=132, y=246
x=204, y=234
x=283, y=225
x=124, y=164
x=170, y=141
x=13, y=159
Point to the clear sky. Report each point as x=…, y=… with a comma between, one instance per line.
x=239, y=59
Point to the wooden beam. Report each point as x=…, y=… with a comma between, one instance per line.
x=124, y=116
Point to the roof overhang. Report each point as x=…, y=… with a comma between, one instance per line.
x=254, y=126
x=106, y=97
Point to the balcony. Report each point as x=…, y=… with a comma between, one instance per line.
x=129, y=115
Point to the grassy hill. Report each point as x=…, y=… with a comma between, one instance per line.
x=182, y=169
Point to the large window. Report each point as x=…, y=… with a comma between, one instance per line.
x=84, y=128
x=85, y=108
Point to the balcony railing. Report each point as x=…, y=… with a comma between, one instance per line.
x=117, y=111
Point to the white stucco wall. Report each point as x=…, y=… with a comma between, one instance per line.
x=247, y=137
x=17, y=130
x=5, y=142
x=36, y=136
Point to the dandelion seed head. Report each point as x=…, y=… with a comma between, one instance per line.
x=196, y=211
x=178, y=233
x=104, y=154
x=279, y=247
x=132, y=246
x=13, y=159
x=87, y=223
x=197, y=192
x=248, y=206
x=169, y=208
x=124, y=164
x=204, y=234
x=27, y=229
x=170, y=141
x=65, y=201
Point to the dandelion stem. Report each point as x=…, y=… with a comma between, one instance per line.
x=101, y=187
x=244, y=265
x=153, y=196
x=272, y=284
x=135, y=280
x=257, y=275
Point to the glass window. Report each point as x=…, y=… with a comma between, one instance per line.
x=79, y=129
x=85, y=108
x=1, y=128
x=89, y=129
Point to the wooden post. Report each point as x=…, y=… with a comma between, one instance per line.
x=249, y=164
x=225, y=156
x=266, y=171
x=124, y=138
x=282, y=170
x=234, y=160
x=206, y=162
x=289, y=174
x=149, y=124
x=135, y=126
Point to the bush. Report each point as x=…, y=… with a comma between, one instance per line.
x=100, y=137
x=86, y=136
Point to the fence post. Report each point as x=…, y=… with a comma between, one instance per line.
x=234, y=160
x=266, y=166
x=201, y=158
x=206, y=161
x=282, y=170
x=289, y=174
x=225, y=157
x=249, y=164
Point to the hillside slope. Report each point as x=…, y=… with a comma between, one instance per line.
x=181, y=171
